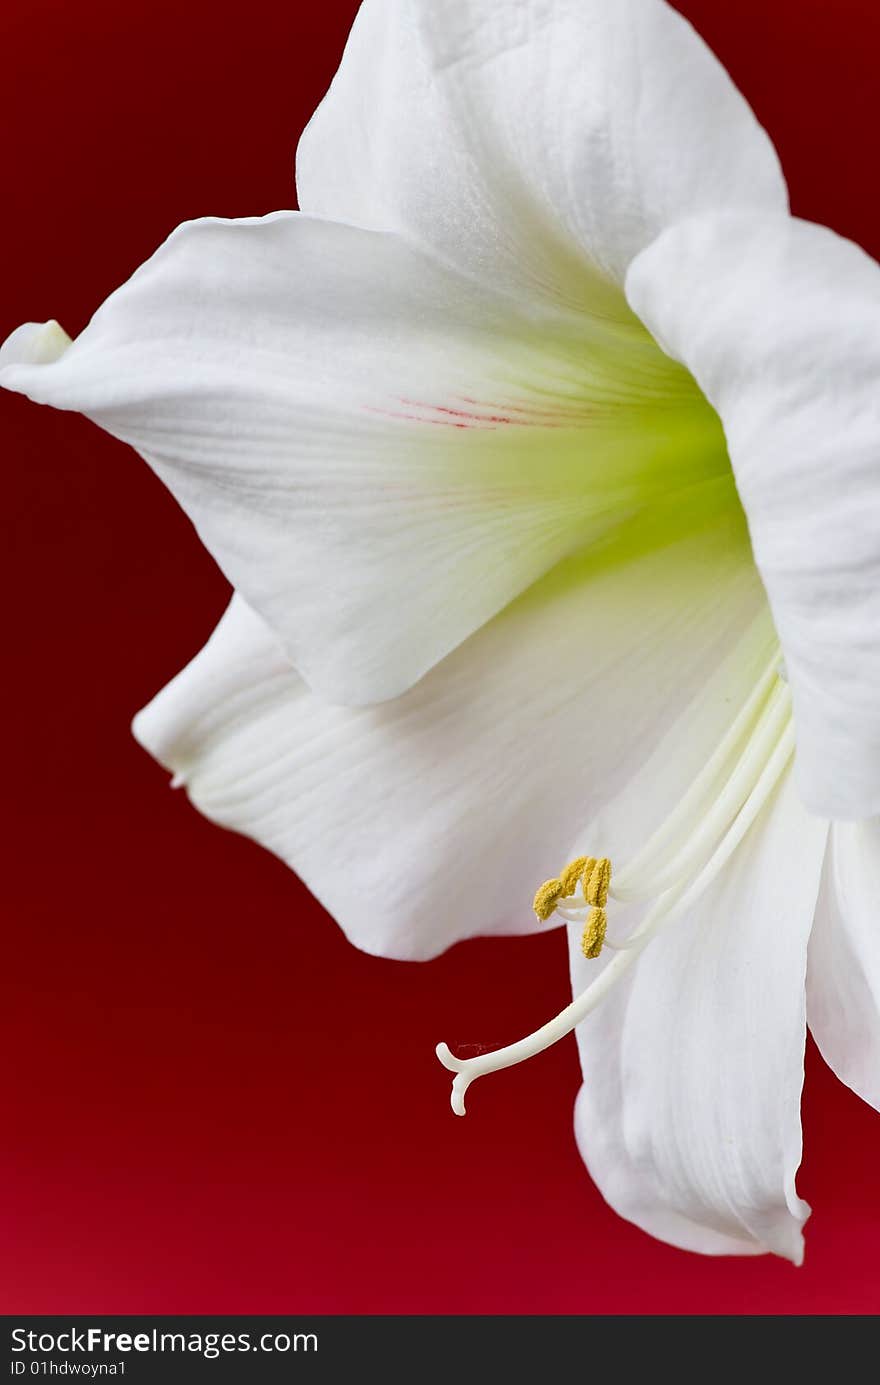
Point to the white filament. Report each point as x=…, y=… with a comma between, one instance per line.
x=761, y=719
x=713, y=807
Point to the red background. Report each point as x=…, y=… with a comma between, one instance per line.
x=189, y=1044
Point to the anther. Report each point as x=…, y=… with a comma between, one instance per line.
x=597, y=882
x=570, y=878
x=547, y=896
x=594, y=933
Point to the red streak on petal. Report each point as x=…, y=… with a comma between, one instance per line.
x=445, y=415
x=415, y=418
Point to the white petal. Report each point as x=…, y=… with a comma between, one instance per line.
x=531, y=142
x=688, y=1119
x=843, y=978
x=779, y=320
x=34, y=343
x=379, y=455
x=436, y=815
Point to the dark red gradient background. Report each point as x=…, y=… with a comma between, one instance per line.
x=196, y=1116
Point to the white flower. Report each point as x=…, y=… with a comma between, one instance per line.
x=453, y=434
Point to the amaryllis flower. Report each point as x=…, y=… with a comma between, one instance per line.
x=542, y=450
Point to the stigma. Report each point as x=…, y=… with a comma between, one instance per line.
x=668, y=875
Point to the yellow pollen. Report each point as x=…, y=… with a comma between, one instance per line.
x=594, y=933
x=547, y=896
x=597, y=882
x=569, y=879
x=595, y=876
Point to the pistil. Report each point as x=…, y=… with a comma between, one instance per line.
x=674, y=868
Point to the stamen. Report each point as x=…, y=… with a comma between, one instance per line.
x=713, y=821
x=704, y=790
x=570, y=878
x=594, y=933
x=757, y=769
x=597, y=882
x=547, y=896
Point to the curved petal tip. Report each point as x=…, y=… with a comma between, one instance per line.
x=34, y=343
